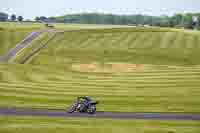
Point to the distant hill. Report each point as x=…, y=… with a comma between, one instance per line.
x=178, y=20
x=97, y=18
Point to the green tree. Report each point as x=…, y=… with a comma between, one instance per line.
x=188, y=21
x=20, y=18
x=13, y=17
x=37, y=19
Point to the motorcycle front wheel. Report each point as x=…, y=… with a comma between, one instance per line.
x=72, y=108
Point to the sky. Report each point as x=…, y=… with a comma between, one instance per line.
x=32, y=8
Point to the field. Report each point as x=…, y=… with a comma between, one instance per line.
x=12, y=33
x=63, y=125
x=103, y=64
x=126, y=69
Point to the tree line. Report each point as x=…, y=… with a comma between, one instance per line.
x=187, y=20
x=13, y=17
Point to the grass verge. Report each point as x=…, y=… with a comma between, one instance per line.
x=75, y=125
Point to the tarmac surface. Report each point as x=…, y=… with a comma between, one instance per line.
x=23, y=44
x=109, y=115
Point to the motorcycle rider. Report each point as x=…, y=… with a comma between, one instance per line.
x=87, y=101
x=84, y=104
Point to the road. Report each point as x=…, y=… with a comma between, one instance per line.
x=110, y=115
x=27, y=41
x=24, y=43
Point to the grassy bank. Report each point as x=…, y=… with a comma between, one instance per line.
x=13, y=33
x=135, y=45
x=9, y=39
x=134, y=69
x=61, y=125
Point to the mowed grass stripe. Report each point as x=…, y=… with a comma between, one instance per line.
x=88, y=42
x=151, y=41
x=184, y=41
x=177, y=72
x=61, y=43
x=146, y=40
x=42, y=78
x=180, y=40
x=5, y=36
x=105, y=43
x=120, y=40
x=55, y=43
x=131, y=39
x=84, y=42
x=8, y=76
x=133, y=76
x=144, y=73
x=133, y=83
x=196, y=41
x=59, y=94
x=62, y=96
x=108, y=40
x=95, y=89
x=104, y=39
x=190, y=42
x=140, y=40
x=117, y=84
x=134, y=40
x=98, y=43
x=171, y=40
x=116, y=93
x=168, y=39
x=157, y=41
x=128, y=40
x=75, y=40
x=80, y=41
x=99, y=39
x=69, y=38
x=126, y=80
x=106, y=83
x=63, y=89
x=139, y=78
x=65, y=95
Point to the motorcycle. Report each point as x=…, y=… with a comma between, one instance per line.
x=83, y=105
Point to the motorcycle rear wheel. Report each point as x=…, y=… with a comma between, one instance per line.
x=91, y=109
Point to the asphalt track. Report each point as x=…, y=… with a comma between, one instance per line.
x=24, y=43
x=109, y=115
x=12, y=53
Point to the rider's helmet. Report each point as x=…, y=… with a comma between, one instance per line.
x=88, y=98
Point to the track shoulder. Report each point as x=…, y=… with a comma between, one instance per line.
x=109, y=115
